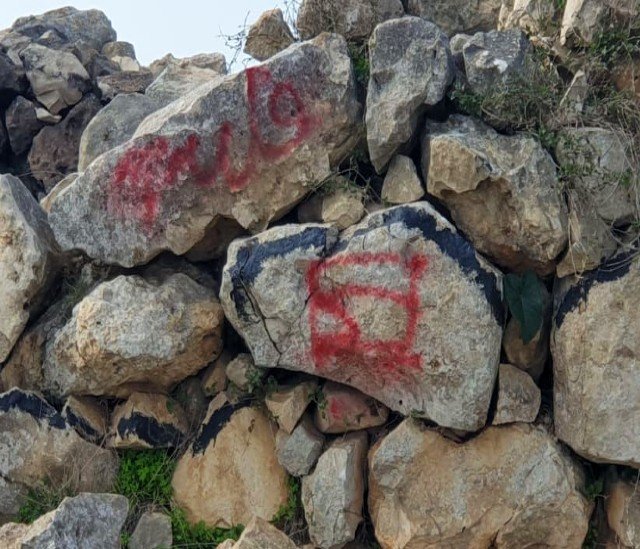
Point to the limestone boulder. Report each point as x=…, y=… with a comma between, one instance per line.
x=57, y=78
x=402, y=184
x=342, y=409
x=353, y=19
x=213, y=61
x=54, y=153
x=88, y=416
x=583, y=20
x=231, y=472
x=411, y=69
x=148, y=420
x=299, y=450
x=22, y=124
x=529, y=15
x=595, y=357
x=511, y=486
x=260, y=534
x=287, y=404
x=153, y=531
x=118, y=48
x=113, y=125
x=518, y=397
x=340, y=207
x=214, y=378
x=269, y=35
x=175, y=82
x=131, y=333
x=502, y=191
x=110, y=85
x=83, y=521
x=456, y=16
x=399, y=307
x=622, y=504
x=246, y=147
x=12, y=77
x=28, y=259
x=243, y=372
x=38, y=446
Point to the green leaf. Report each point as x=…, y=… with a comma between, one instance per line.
x=525, y=298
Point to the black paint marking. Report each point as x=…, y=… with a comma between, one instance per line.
x=149, y=430
x=32, y=404
x=216, y=423
x=81, y=425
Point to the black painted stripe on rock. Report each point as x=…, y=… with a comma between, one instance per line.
x=33, y=405
x=610, y=271
x=81, y=425
x=210, y=430
x=149, y=430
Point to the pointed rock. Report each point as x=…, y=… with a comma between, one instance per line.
x=287, y=404
x=518, y=397
x=88, y=416
x=260, y=534
x=269, y=35
x=299, y=451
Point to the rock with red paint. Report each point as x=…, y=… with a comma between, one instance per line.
x=399, y=306
x=411, y=69
x=341, y=409
x=132, y=334
x=246, y=147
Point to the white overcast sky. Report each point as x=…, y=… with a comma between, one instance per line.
x=180, y=27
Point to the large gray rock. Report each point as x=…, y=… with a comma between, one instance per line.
x=595, y=361
x=131, y=333
x=411, y=69
x=12, y=77
x=398, y=306
x=57, y=78
x=333, y=495
x=86, y=521
x=502, y=191
x=511, y=486
x=54, y=153
x=28, y=259
x=22, y=124
x=153, y=531
x=455, y=16
x=353, y=19
x=113, y=125
x=298, y=452
x=38, y=446
x=245, y=147
x=269, y=35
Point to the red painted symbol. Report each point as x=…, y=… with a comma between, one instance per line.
x=278, y=122
x=338, y=340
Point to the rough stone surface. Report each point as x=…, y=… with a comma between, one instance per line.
x=175, y=82
x=87, y=416
x=601, y=158
x=148, y=420
x=12, y=79
x=242, y=371
x=130, y=332
x=287, y=404
x=595, y=357
x=344, y=409
x=455, y=16
x=353, y=19
x=511, y=486
x=46, y=117
x=529, y=15
x=231, y=473
x=119, y=49
x=113, y=125
x=213, y=61
x=298, y=452
x=402, y=184
x=54, y=153
x=37, y=445
x=27, y=259
x=622, y=504
x=411, y=68
x=626, y=77
x=260, y=534
x=269, y=35
x=367, y=308
x=583, y=20
x=111, y=85
x=518, y=396
x=493, y=58
x=502, y=191
x=257, y=138
x=342, y=208
x=153, y=531
x=214, y=378
x=57, y=78
x=81, y=522
x=333, y=495
x=22, y=124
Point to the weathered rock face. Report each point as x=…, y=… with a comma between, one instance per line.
x=231, y=472
x=411, y=69
x=87, y=416
x=22, y=124
x=456, y=16
x=54, y=153
x=110, y=85
x=57, y=78
x=622, y=504
x=12, y=77
x=37, y=445
x=288, y=404
x=213, y=61
x=113, y=125
x=502, y=191
x=333, y=495
x=353, y=19
x=27, y=259
x=153, y=531
x=584, y=19
x=518, y=396
x=175, y=82
x=595, y=352
x=130, y=333
x=242, y=147
x=87, y=520
x=376, y=308
x=402, y=184
x=299, y=451
x=481, y=493
x=269, y=35
x=529, y=15
x=148, y=420
x=242, y=371
x=260, y=534
x=341, y=207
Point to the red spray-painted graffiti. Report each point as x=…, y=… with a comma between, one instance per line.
x=143, y=175
x=346, y=346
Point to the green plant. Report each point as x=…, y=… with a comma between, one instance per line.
x=525, y=298
x=289, y=510
x=594, y=489
x=40, y=501
x=199, y=535
x=360, y=57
